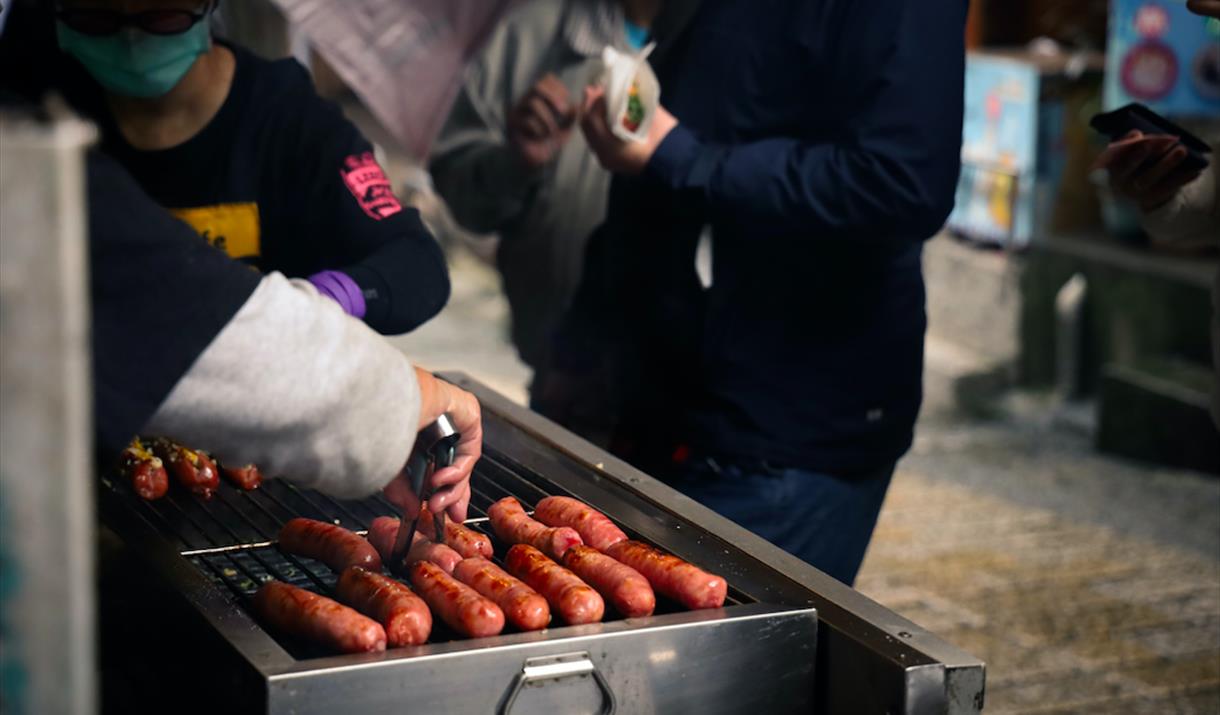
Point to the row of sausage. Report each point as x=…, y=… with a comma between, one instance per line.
x=568, y=559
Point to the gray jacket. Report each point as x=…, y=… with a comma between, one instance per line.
x=544, y=218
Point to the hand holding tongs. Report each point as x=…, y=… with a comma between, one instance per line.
x=436, y=446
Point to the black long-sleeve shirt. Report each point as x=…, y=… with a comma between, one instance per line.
x=150, y=320
x=281, y=179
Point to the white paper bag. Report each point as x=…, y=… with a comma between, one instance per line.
x=632, y=92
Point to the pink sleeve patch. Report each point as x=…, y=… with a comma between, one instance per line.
x=369, y=184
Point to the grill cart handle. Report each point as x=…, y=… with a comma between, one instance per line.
x=557, y=667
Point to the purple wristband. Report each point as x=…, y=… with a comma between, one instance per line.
x=340, y=287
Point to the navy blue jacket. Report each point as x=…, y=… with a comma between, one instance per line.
x=819, y=141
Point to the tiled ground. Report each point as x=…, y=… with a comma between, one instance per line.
x=1088, y=585
x=1070, y=616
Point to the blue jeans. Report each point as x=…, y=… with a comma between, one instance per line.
x=823, y=519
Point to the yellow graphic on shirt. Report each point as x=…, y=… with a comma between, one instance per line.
x=233, y=228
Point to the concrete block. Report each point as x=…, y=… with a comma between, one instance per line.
x=1159, y=413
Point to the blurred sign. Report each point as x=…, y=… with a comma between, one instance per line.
x=1023, y=162
x=403, y=58
x=999, y=145
x=1162, y=54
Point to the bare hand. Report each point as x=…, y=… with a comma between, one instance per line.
x=450, y=485
x=1146, y=168
x=542, y=121
x=614, y=154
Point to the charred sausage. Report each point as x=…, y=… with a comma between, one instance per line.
x=594, y=527
x=193, y=469
x=405, y=616
x=302, y=613
x=671, y=576
x=512, y=524
x=248, y=477
x=145, y=470
x=624, y=587
x=333, y=545
x=383, y=531
x=521, y=604
x=459, y=605
x=574, y=600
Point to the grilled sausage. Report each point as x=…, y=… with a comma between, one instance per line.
x=512, y=524
x=671, y=576
x=333, y=545
x=302, y=613
x=624, y=587
x=405, y=616
x=459, y=605
x=572, y=599
x=193, y=469
x=381, y=535
x=384, y=530
x=521, y=604
x=466, y=541
x=594, y=527
x=145, y=470
x=459, y=537
x=248, y=477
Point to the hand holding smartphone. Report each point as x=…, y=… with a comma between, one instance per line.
x=1149, y=157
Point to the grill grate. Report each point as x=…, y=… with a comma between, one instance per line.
x=231, y=538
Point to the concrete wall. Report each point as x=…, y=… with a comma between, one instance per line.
x=1140, y=306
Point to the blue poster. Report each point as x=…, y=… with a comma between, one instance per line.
x=995, y=194
x=1163, y=55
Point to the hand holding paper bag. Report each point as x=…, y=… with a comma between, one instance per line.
x=623, y=120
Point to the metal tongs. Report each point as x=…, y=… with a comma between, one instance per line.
x=435, y=447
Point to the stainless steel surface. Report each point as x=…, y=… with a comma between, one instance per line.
x=443, y=451
x=698, y=662
x=417, y=472
x=215, y=554
x=870, y=659
x=434, y=447
x=47, y=617
x=817, y=645
x=539, y=672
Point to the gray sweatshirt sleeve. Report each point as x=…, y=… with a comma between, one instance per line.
x=473, y=167
x=296, y=386
x=1193, y=214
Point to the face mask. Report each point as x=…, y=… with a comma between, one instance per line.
x=135, y=63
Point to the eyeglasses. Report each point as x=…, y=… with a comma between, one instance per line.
x=107, y=22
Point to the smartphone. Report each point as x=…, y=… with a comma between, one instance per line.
x=1137, y=117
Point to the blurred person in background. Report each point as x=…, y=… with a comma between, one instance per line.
x=757, y=281
x=1177, y=206
x=510, y=161
x=241, y=148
